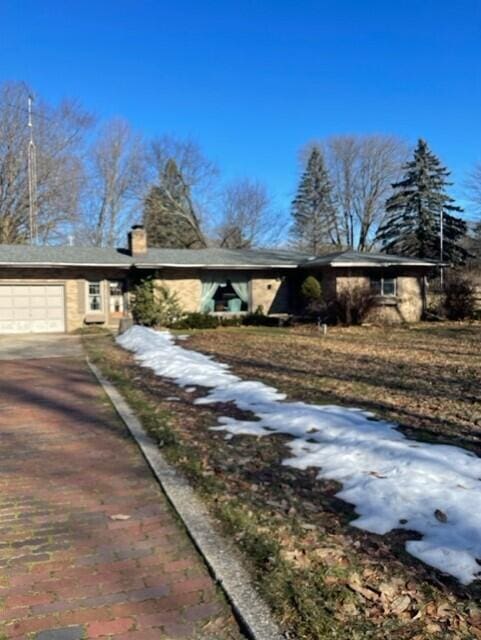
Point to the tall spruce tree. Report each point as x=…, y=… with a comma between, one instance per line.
x=313, y=207
x=169, y=216
x=413, y=212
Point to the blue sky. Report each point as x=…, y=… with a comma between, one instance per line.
x=254, y=81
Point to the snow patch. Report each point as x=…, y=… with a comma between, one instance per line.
x=393, y=482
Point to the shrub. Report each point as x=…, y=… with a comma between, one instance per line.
x=353, y=303
x=259, y=319
x=311, y=293
x=154, y=305
x=196, y=321
x=459, y=298
x=231, y=321
x=311, y=290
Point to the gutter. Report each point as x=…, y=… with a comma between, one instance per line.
x=52, y=265
x=372, y=264
x=216, y=266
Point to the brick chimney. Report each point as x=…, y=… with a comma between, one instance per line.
x=137, y=241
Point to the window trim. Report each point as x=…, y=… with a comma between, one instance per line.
x=121, y=295
x=88, y=295
x=381, y=280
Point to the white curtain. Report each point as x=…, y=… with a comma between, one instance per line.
x=209, y=287
x=241, y=287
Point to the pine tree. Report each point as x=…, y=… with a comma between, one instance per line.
x=313, y=208
x=169, y=216
x=413, y=212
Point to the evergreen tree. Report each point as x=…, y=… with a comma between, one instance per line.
x=169, y=216
x=413, y=212
x=313, y=208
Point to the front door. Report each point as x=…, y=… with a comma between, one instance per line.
x=116, y=299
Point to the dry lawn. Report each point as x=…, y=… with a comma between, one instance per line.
x=323, y=578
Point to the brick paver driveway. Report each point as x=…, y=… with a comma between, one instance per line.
x=89, y=547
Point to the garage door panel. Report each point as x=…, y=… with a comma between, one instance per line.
x=32, y=309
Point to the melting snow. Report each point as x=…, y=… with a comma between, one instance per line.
x=393, y=482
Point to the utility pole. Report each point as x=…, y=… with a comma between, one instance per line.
x=441, y=244
x=32, y=178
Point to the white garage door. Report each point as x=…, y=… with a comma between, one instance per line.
x=32, y=308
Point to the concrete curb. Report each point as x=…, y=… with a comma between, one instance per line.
x=252, y=612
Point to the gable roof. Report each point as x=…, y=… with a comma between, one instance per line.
x=351, y=258
x=214, y=258
x=217, y=258
x=51, y=256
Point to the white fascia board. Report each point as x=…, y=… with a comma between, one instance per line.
x=381, y=264
x=216, y=266
x=52, y=265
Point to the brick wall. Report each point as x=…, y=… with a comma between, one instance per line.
x=270, y=291
x=74, y=282
x=406, y=307
x=185, y=283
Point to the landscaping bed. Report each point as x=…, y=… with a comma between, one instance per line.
x=323, y=578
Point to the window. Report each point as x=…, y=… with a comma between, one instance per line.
x=383, y=286
x=116, y=297
x=224, y=293
x=227, y=298
x=94, y=296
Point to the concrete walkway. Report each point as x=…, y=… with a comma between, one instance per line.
x=48, y=345
x=89, y=547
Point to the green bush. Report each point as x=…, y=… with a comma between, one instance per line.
x=259, y=319
x=459, y=298
x=154, y=305
x=231, y=321
x=196, y=321
x=311, y=291
x=311, y=294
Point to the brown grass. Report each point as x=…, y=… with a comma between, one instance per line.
x=323, y=578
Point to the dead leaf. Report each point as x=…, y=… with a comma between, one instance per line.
x=388, y=590
x=444, y=610
x=440, y=515
x=400, y=604
x=376, y=474
x=354, y=583
x=432, y=627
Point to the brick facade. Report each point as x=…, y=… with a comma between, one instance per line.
x=270, y=291
x=406, y=306
x=74, y=282
x=273, y=290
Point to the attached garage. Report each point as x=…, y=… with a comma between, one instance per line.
x=32, y=308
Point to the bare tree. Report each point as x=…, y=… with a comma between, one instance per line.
x=362, y=169
x=248, y=218
x=473, y=194
x=473, y=189
x=115, y=185
x=59, y=134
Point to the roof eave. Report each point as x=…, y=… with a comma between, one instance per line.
x=382, y=264
x=53, y=265
x=372, y=264
x=215, y=266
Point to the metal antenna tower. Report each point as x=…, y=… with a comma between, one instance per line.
x=32, y=179
x=441, y=244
